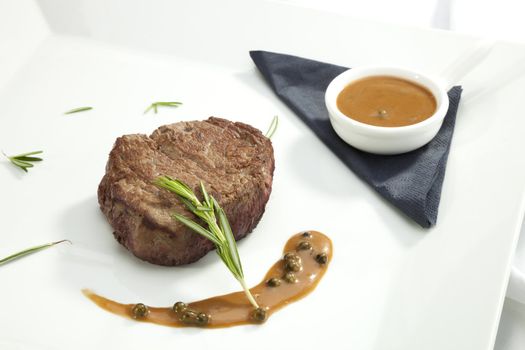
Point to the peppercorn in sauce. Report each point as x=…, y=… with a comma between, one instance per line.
x=305, y=260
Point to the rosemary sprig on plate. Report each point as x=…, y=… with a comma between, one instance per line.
x=24, y=160
x=156, y=105
x=79, y=109
x=218, y=231
x=272, y=128
x=29, y=251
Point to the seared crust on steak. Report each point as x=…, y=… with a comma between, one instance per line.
x=234, y=160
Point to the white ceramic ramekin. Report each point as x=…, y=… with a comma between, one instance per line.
x=379, y=139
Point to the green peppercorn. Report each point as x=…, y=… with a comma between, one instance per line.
x=203, y=319
x=321, y=258
x=274, y=282
x=306, y=234
x=179, y=307
x=304, y=245
x=291, y=256
x=259, y=315
x=293, y=265
x=139, y=310
x=188, y=316
x=290, y=277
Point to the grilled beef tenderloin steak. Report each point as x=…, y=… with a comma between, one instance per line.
x=234, y=160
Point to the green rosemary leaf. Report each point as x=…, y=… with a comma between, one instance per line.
x=29, y=159
x=23, y=161
x=79, y=109
x=29, y=154
x=176, y=186
x=231, y=244
x=29, y=251
x=196, y=227
x=187, y=190
x=202, y=208
x=273, y=126
x=222, y=253
x=205, y=194
x=148, y=109
x=188, y=204
x=168, y=104
x=156, y=105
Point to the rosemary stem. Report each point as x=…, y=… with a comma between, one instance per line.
x=248, y=293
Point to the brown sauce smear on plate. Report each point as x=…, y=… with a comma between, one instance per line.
x=305, y=260
x=386, y=101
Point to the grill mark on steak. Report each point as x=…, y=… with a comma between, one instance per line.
x=234, y=160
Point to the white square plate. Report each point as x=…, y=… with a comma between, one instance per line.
x=391, y=284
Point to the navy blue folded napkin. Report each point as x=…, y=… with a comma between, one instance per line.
x=412, y=181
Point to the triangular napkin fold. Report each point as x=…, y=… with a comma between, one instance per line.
x=411, y=181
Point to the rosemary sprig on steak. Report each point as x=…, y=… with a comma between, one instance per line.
x=24, y=160
x=29, y=251
x=219, y=233
x=156, y=105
